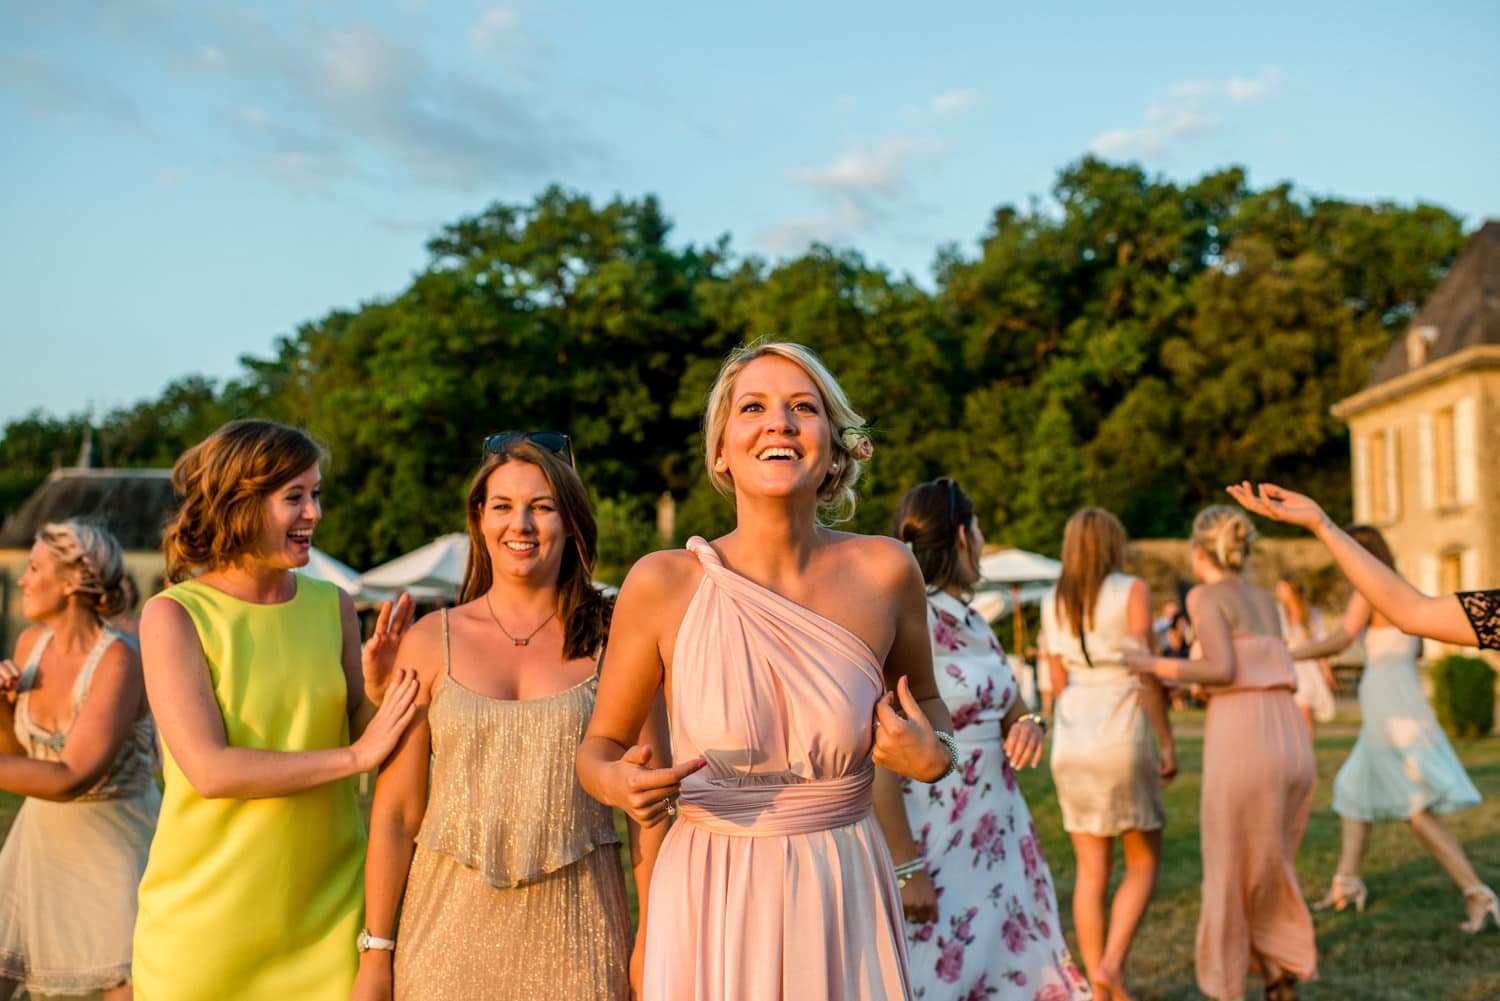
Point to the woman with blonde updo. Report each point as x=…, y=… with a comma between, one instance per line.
x=75, y=740
x=1258, y=772
x=253, y=887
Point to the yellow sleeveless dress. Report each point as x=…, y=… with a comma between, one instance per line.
x=258, y=899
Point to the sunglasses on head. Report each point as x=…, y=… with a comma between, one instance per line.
x=952, y=499
x=553, y=441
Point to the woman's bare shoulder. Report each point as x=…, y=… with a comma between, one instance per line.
x=879, y=556
x=661, y=574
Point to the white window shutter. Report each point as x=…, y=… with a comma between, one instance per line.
x=1426, y=464
x=1465, y=459
x=1360, y=461
x=1468, y=569
x=1429, y=581
x=1392, y=474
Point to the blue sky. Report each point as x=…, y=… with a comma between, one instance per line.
x=183, y=183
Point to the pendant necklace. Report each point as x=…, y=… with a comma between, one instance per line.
x=517, y=641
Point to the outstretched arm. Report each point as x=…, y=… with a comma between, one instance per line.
x=1215, y=667
x=1441, y=618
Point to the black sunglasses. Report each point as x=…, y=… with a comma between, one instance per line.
x=553, y=441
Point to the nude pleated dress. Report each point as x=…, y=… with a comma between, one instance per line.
x=516, y=889
x=775, y=882
x=1258, y=778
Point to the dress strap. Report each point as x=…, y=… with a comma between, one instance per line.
x=33, y=661
x=90, y=664
x=707, y=554
x=447, y=650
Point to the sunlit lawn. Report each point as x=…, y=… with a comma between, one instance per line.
x=1404, y=947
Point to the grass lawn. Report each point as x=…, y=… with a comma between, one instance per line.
x=1404, y=947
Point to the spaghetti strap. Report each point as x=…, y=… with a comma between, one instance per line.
x=85, y=678
x=447, y=658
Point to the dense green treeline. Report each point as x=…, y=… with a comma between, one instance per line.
x=1137, y=344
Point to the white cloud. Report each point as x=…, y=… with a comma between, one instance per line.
x=494, y=27
x=1187, y=114
x=955, y=102
x=878, y=170
x=1253, y=88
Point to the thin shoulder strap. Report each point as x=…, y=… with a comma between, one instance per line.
x=33, y=661
x=447, y=658
x=599, y=664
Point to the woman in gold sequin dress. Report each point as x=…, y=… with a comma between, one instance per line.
x=507, y=873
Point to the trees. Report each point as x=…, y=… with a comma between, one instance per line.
x=1135, y=343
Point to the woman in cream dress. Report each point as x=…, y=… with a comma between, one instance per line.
x=1302, y=625
x=1107, y=771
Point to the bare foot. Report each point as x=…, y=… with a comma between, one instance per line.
x=1109, y=985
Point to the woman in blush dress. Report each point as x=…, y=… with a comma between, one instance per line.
x=1302, y=625
x=75, y=740
x=981, y=910
x=1258, y=772
x=1107, y=771
x=782, y=648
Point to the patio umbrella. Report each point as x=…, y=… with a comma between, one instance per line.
x=433, y=572
x=321, y=566
x=1017, y=568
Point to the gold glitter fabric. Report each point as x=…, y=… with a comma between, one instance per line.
x=516, y=889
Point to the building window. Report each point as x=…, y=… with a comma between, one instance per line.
x=1385, y=476
x=1444, y=466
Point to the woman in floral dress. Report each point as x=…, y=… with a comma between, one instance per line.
x=982, y=918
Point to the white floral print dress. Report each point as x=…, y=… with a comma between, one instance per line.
x=998, y=934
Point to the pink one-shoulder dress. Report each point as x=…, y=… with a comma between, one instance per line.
x=775, y=882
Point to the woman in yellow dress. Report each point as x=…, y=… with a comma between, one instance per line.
x=252, y=890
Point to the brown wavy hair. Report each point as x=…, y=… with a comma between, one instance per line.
x=1093, y=548
x=582, y=609
x=1374, y=542
x=924, y=522
x=223, y=481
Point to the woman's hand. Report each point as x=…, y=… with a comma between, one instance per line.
x=10, y=679
x=648, y=795
x=919, y=899
x=388, y=724
x=1023, y=745
x=904, y=741
x=1138, y=659
x=1279, y=504
x=1166, y=763
x=374, y=982
x=377, y=657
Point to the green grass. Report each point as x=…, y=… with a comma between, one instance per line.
x=1404, y=947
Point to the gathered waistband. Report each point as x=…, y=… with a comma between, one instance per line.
x=759, y=811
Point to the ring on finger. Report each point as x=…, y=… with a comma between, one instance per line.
x=671, y=806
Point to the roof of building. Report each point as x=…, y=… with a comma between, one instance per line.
x=1463, y=311
x=134, y=504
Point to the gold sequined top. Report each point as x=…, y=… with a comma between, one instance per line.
x=504, y=798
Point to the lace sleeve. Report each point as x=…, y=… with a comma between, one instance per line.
x=1483, y=610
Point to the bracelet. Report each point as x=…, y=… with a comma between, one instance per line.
x=1036, y=720
x=951, y=746
x=906, y=870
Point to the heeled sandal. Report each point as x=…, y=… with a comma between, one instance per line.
x=1474, y=923
x=1343, y=891
x=1283, y=988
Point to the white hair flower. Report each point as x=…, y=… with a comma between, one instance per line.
x=856, y=442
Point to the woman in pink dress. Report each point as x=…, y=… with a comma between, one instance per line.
x=1258, y=771
x=783, y=648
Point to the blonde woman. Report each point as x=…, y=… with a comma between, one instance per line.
x=783, y=648
x=505, y=873
x=256, y=679
x=1258, y=772
x=1106, y=767
x=75, y=740
x=1302, y=626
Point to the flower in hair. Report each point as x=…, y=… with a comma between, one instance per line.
x=856, y=442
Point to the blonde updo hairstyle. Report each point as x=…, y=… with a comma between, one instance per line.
x=93, y=559
x=223, y=481
x=850, y=439
x=1225, y=535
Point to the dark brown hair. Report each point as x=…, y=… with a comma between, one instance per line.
x=1298, y=614
x=583, y=611
x=1093, y=548
x=223, y=481
x=1369, y=536
x=925, y=522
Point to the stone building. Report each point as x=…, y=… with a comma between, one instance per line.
x=1425, y=431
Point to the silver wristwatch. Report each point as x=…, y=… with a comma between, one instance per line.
x=366, y=942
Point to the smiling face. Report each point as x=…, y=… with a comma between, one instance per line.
x=289, y=515
x=777, y=440
x=523, y=529
x=45, y=586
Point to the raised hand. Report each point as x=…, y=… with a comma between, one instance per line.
x=649, y=795
x=377, y=658
x=1279, y=504
x=388, y=724
x=904, y=740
